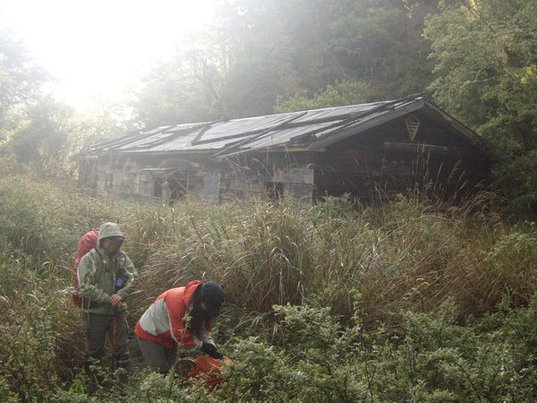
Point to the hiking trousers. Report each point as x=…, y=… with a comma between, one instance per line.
x=117, y=329
x=159, y=358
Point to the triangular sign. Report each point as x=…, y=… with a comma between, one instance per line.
x=412, y=125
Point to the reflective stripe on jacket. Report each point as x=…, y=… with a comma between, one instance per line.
x=164, y=321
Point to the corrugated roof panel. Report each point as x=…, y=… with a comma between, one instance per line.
x=367, y=121
x=338, y=112
x=216, y=145
x=145, y=142
x=157, y=129
x=358, y=121
x=178, y=142
x=279, y=137
x=165, y=135
x=185, y=143
x=235, y=127
x=110, y=144
x=186, y=126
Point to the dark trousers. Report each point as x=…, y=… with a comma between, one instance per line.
x=159, y=358
x=117, y=329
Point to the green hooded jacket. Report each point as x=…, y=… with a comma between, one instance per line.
x=97, y=274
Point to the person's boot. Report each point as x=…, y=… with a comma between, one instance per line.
x=94, y=375
x=121, y=375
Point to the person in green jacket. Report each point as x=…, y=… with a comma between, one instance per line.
x=106, y=276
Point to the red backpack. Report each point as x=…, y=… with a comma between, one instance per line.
x=209, y=369
x=87, y=242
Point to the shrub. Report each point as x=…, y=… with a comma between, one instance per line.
x=393, y=302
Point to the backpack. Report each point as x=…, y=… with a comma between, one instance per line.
x=209, y=370
x=87, y=242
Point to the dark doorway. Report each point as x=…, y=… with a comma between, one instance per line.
x=178, y=186
x=274, y=190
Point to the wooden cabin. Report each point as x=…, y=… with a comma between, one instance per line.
x=360, y=150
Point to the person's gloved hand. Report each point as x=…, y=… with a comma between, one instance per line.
x=210, y=349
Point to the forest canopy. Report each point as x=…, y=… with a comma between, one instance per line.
x=476, y=59
x=336, y=301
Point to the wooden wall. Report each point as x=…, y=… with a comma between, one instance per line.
x=387, y=160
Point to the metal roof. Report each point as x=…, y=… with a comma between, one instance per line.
x=311, y=130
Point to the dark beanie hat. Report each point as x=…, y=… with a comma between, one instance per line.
x=213, y=296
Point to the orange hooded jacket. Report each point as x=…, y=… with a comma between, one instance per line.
x=164, y=321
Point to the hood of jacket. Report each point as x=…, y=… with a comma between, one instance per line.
x=107, y=230
x=190, y=288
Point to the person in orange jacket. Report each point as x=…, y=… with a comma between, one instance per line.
x=180, y=317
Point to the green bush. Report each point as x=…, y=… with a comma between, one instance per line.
x=40, y=338
x=330, y=303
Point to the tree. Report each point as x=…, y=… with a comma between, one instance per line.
x=20, y=81
x=381, y=43
x=185, y=89
x=486, y=74
x=41, y=140
x=262, y=51
x=342, y=93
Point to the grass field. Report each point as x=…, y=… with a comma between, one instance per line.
x=402, y=301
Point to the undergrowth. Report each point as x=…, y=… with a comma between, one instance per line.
x=400, y=301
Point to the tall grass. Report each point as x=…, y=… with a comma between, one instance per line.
x=366, y=266
x=402, y=255
x=405, y=253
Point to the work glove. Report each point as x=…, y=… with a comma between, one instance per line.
x=211, y=350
